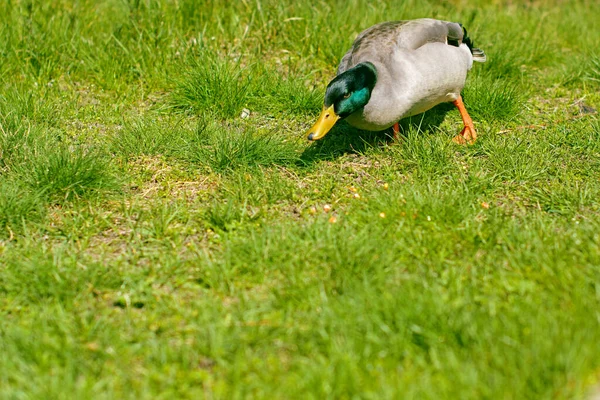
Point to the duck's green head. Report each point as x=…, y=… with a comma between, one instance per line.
x=346, y=93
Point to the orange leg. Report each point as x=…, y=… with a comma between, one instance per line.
x=468, y=134
x=396, y=131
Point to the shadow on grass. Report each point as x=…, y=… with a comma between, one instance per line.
x=345, y=139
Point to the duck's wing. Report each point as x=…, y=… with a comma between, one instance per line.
x=380, y=41
x=372, y=43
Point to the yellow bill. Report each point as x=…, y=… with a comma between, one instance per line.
x=326, y=121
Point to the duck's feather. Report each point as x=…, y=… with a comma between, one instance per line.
x=380, y=41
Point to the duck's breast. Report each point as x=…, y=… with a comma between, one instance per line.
x=435, y=73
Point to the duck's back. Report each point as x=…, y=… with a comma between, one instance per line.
x=380, y=41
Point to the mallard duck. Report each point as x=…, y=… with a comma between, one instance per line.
x=398, y=69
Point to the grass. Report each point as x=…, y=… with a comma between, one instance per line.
x=167, y=232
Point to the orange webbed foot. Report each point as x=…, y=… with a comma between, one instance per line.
x=466, y=136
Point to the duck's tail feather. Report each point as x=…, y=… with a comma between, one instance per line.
x=478, y=54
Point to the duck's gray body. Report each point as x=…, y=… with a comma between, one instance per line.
x=420, y=63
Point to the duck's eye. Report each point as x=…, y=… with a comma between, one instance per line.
x=347, y=95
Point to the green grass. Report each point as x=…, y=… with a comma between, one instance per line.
x=154, y=243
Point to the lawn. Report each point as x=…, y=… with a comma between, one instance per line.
x=166, y=231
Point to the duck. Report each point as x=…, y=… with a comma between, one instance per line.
x=398, y=69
